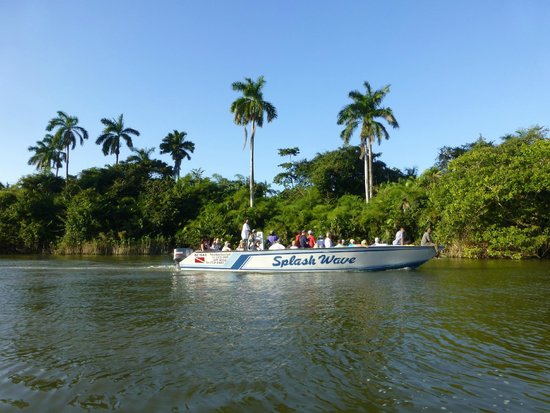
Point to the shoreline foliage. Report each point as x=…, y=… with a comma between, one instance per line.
x=483, y=200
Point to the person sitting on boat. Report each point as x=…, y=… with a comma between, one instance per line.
x=298, y=235
x=311, y=239
x=427, y=238
x=352, y=243
x=216, y=245
x=320, y=242
x=276, y=245
x=226, y=246
x=341, y=244
x=328, y=241
x=252, y=240
x=364, y=243
x=272, y=238
x=205, y=245
x=304, y=242
x=400, y=237
x=293, y=245
x=241, y=246
x=377, y=242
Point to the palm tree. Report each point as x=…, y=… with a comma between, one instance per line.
x=67, y=130
x=365, y=110
x=250, y=108
x=142, y=156
x=47, y=154
x=175, y=144
x=112, y=133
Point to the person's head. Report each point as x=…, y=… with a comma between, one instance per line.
x=342, y=241
x=364, y=243
x=352, y=241
x=428, y=230
x=293, y=243
x=376, y=240
x=328, y=234
x=310, y=232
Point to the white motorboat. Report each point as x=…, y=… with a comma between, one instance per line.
x=373, y=258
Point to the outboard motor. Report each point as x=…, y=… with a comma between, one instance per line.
x=180, y=254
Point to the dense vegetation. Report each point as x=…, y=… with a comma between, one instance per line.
x=482, y=200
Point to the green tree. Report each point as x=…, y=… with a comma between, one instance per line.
x=113, y=132
x=365, y=110
x=448, y=153
x=9, y=221
x=66, y=133
x=175, y=144
x=47, y=155
x=288, y=177
x=493, y=201
x=251, y=108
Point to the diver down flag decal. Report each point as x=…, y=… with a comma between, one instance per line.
x=199, y=260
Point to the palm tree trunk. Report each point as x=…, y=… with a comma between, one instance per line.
x=67, y=164
x=366, y=166
x=370, y=169
x=252, y=165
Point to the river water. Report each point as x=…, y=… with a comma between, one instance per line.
x=134, y=335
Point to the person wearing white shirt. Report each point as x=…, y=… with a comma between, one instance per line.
x=328, y=241
x=245, y=231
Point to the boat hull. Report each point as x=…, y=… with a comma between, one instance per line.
x=314, y=260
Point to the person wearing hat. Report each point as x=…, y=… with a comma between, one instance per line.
x=226, y=246
x=311, y=239
x=320, y=242
x=272, y=238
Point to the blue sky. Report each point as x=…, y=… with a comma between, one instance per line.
x=457, y=70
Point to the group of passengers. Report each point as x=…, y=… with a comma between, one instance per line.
x=215, y=246
x=303, y=239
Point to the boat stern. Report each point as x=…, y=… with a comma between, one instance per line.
x=180, y=254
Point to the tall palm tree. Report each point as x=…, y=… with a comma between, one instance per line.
x=47, y=155
x=175, y=144
x=66, y=132
x=112, y=133
x=250, y=108
x=366, y=110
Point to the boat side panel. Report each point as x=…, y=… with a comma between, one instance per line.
x=335, y=259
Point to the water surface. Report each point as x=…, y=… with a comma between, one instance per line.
x=134, y=335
